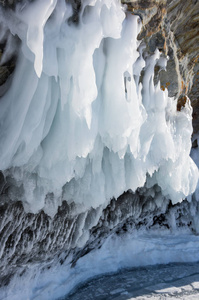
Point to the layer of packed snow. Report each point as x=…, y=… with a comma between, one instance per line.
x=77, y=122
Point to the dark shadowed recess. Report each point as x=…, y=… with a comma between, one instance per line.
x=28, y=238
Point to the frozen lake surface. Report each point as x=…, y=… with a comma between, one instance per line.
x=172, y=281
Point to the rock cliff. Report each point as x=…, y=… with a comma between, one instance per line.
x=172, y=26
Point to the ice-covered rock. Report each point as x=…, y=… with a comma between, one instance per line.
x=77, y=122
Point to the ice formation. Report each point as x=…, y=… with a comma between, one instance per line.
x=78, y=122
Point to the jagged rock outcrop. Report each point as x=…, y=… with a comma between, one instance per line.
x=27, y=238
x=172, y=26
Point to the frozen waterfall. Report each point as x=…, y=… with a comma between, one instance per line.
x=79, y=122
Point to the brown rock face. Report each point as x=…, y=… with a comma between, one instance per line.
x=172, y=26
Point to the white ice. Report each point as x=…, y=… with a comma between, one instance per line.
x=77, y=116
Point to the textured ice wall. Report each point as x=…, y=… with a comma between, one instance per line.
x=77, y=124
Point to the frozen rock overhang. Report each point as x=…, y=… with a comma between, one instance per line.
x=77, y=123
